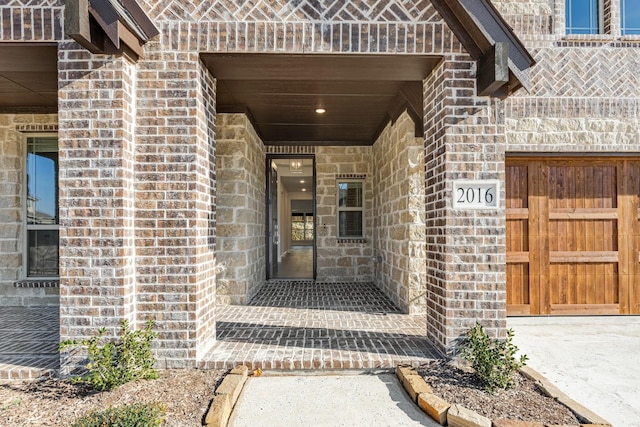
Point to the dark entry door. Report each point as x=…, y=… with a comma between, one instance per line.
x=273, y=234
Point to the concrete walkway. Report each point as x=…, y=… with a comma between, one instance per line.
x=595, y=360
x=319, y=400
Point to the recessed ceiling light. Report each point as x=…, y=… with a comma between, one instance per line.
x=304, y=189
x=321, y=110
x=302, y=181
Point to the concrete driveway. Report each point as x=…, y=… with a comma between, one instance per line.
x=595, y=360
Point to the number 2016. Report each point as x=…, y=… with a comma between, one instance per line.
x=475, y=195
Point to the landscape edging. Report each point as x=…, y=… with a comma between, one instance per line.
x=225, y=397
x=404, y=372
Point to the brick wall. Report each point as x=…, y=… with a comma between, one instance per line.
x=32, y=21
x=14, y=130
x=241, y=209
x=466, y=250
x=585, y=88
x=175, y=199
x=96, y=180
x=399, y=228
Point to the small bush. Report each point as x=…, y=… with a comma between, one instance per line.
x=115, y=363
x=493, y=360
x=135, y=415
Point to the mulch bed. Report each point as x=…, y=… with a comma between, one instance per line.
x=524, y=402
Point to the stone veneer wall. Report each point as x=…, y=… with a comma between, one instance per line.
x=349, y=259
x=240, y=209
x=14, y=128
x=399, y=227
x=342, y=260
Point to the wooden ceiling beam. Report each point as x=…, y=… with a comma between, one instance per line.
x=102, y=26
x=493, y=70
x=480, y=27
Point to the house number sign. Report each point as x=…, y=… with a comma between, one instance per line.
x=482, y=194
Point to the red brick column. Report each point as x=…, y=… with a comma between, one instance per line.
x=175, y=201
x=137, y=198
x=466, y=249
x=97, y=144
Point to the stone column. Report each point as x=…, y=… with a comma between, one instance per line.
x=97, y=144
x=466, y=249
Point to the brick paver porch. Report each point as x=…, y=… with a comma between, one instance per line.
x=288, y=325
x=308, y=325
x=29, y=338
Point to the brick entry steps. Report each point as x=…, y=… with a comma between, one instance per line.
x=29, y=339
x=309, y=325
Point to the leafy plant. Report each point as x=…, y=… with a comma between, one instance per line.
x=114, y=363
x=493, y=360
x=134, y=415
x=14, y=402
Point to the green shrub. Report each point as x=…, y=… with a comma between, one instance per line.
x=493, y=360
x=135, y=415
x=117, y=362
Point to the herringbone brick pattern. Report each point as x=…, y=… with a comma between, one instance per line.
x=308, y=325
x=29, y=340
x=587, y=72
x=303, y=10
x=30, y=3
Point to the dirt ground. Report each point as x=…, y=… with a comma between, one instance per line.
x=185, y=393
x=523, y=402
x=188, y=393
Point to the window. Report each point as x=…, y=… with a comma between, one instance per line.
x=301, y=226
x=583, y=17
x=42, y=207
x=630, y=10
x=350, y=209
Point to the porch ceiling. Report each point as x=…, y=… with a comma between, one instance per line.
x=28, y=78
x=281, y=92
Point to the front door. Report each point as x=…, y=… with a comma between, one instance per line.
x=290, y=217
x=273, y=234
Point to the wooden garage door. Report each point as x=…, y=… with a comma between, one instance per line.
x=572, y=236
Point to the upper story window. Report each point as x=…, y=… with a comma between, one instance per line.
x=351, y=209
x=630, y=12
x=584, y=16
x=41, y=257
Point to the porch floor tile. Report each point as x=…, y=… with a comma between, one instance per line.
x=309, y=325
x=29, y=338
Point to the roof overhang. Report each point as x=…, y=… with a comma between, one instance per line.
x=503, y=60
x=109, y=26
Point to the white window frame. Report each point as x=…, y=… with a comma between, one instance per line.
x=350, y=209
x=599, y=7
x=622, y=23
x=29, y=227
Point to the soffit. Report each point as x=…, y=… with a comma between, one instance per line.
x=28, y=78
x=281, y=92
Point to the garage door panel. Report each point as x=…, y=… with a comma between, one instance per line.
x=578, y=186
x=518, y=277
x=576, y=235
x=580, y=283
x=579, y=230
x=518, y=281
